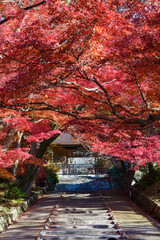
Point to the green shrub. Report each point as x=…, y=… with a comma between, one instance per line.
x=51, y=168
x=52, y=180
x=148, y=178
x=14, y=192
x=3, y=186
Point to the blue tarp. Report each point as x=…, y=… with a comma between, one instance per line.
x=97, y=184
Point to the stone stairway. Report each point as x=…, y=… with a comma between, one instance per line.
x=82, y=216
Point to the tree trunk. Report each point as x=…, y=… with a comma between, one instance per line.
x=30, y=178
x=15, y=165
x=26, y=182
x=151, y=170
x=8, y=140
x=127, y=178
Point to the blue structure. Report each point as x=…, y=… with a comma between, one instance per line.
x=95, y=183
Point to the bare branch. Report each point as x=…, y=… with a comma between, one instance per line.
x=35, y=5
x=108, y=98
x=144, y=122
x=138, y=85
x=4, y=20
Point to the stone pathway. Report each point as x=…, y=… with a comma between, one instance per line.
x=70, y=216
x=28, y=226
x=82, y=216
x=133, y=220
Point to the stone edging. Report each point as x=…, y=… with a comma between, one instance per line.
x=14, y=212
x=149, y=205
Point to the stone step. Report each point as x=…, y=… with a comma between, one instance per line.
x=108, y=227
x=85, y=213
x=83, y=231
x=79, y=231
x=87, y=208
x=79, y=211
x=81, y=236
x=82, y=216
x=80, y=222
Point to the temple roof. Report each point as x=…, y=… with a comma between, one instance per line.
x=66, y=139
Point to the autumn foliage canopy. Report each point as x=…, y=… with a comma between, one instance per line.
x=91, y=67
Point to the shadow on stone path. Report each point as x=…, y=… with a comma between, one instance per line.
x=28, y=226
x=132, y=219
x=82, y=216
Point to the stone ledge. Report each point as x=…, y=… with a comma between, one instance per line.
x=13, y=213
x=149, y=205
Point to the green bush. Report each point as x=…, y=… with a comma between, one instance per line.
x=3, y=186
x=148, y=178
x=51, y=168
x=52, y=180
x=14, y=192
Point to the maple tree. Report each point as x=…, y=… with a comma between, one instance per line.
x=34, y=132
x=25, y=153
x=93, y=62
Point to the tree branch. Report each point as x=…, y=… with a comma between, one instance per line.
x=74, y=115
x=32, y=107
x=35, y=5
x=108, y=98
x=25, y=9
x=144, y=122
x=138, y=85
x=4, y=20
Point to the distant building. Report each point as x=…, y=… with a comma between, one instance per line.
x=82, y=161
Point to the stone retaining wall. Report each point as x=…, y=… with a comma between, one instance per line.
x=149, y=205
x=11, y=214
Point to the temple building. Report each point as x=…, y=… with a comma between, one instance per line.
x=81, y=161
